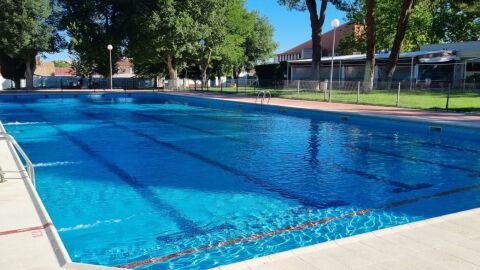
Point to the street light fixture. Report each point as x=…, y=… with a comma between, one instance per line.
x=335, y=23
x=110, y=48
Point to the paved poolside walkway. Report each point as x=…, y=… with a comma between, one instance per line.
x=464, y=119
x=447, y=242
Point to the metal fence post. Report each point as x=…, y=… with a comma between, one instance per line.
x=398, y=94
x=448, y=96
x=237, y=85
x=358, y=92
x=298, y=88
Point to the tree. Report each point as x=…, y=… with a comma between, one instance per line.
x=259, y=44
x=92, y=25
x=61, y=64
x=27, y=28
x=402, y=25
x=164, y=37
x=230, y=53
x=317, y=19
x=371, y=41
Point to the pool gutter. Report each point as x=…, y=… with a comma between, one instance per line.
x=281, y=105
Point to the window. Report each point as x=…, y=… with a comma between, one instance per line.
x=473, y=67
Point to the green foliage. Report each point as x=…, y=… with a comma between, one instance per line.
x=164, y=29
x=168, y=35
x=61, y=64
x=259, y=44
x=27, y=27
x=92, y=25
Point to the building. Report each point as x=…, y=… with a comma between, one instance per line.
x=434, y=65
x=304, y=50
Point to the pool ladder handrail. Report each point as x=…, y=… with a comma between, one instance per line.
x=264, y=95
x=19, y=150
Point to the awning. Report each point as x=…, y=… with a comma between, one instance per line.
x=441, y=59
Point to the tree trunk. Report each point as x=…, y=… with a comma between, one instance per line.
x=29, y=70
x=399, y=37
x=369, y=74
x=17, y=82
x=205, y=69
x=316, y=23
x=172, y=71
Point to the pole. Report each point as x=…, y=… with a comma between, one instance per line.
x=411, y=75
x=398, y=93
x=358, y=92
x=331, y=68
x=298, y=88
x=465, y=75
x=448, y=96
x=111, y=75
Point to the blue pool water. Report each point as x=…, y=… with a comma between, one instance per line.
x=193, y=184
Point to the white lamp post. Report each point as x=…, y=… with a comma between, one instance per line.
x=110, y=48
x=335, y=23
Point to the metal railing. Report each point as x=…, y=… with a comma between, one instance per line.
x=18, y=148
x=264, y=95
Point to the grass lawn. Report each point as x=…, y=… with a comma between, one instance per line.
x=421, y=99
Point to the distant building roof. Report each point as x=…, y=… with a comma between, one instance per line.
x=44, y=68
x=327, y=39
x=64, y=71
x=440, y=55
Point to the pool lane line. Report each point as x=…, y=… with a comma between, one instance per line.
x=426, y=161
x=298, y=227
x=161, y=119
x=232, y=170
x=452, y=147
x=244, y=239
x=182, y=222
x=363, y=135
x=398, y=186
x=27, y=229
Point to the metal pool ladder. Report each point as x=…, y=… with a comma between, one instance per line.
x=19, y=150
x=264, y=94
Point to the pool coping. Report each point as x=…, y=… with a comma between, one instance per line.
x=403, y=231
x=278, y=103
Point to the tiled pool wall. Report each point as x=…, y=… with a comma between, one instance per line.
x=378, y=121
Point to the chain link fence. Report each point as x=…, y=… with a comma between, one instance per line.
x=436, y=95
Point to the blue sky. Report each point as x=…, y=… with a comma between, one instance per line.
x=291, y=27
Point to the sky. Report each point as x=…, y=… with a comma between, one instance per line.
x=291, y=27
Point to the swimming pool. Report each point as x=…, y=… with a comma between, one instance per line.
x=157, y=181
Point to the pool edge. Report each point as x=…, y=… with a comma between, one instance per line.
x=293, y=256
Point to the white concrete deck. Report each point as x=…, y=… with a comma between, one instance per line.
x=446, y=242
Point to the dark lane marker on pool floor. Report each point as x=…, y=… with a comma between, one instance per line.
x=398, y=186
x=426, y=161
x=253, y=179
x=292, y=228
x=183, y=223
